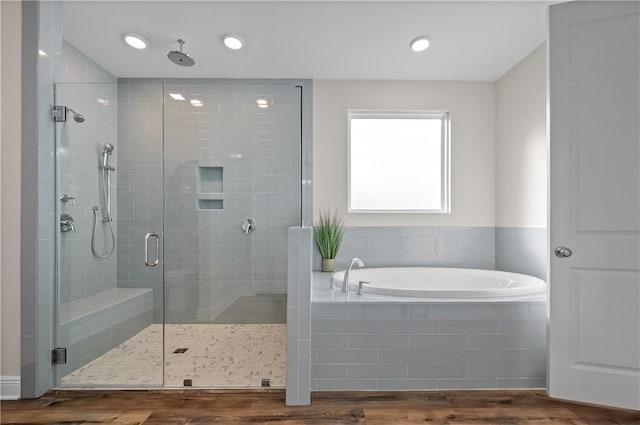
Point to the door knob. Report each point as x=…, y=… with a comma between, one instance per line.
x=563, y=252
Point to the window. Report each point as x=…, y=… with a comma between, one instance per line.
x=398, y=161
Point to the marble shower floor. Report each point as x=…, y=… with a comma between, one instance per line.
x=217, y=356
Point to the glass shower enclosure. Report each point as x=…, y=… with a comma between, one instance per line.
x=173, y=200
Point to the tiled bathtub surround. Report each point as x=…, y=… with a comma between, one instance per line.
x=469, y=247
x=522, y=250
x=511, y=249
x=422, y=346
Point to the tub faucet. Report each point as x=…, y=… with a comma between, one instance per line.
x=350, y=264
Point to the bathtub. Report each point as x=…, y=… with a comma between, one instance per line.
x=428, y=329
x=451, y=283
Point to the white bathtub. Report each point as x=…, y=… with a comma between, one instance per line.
x=433, y=282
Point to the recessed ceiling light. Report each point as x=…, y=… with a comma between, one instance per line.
x=196, y=102
x=233, y=42
x=135, y=40
x=176, y=96
x=42, y=53
x=420, y=44
x=262, y=103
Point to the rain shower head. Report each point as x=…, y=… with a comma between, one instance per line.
x=179, y=57
x=76, y=116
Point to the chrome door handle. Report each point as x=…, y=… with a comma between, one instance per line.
x=563, y=252
x=146, y=250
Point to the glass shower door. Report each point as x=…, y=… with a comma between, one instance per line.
x=198, y=182
x=108, y=199
x=232, y=189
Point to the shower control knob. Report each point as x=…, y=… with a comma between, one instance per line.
x=563, y=252
x=67, y=224
x=248, y=225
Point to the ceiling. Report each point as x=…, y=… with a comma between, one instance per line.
x=474, y=41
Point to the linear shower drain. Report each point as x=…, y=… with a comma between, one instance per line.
x=180, y=350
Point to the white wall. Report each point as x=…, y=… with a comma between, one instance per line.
x=521, y=144
x=10, y=159
x=472, y=113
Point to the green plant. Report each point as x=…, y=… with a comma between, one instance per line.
x=328, y=233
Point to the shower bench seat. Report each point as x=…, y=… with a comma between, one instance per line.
x=90, y=326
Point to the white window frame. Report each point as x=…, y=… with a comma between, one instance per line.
x=445, y=154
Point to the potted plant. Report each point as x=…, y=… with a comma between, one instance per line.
x=328, y=233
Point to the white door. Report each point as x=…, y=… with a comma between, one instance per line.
x=594, y=335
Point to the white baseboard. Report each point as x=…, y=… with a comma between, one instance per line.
x=9, y=387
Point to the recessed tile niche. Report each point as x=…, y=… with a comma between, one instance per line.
x=210, y=188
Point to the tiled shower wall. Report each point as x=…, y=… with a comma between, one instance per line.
x=209, y=260
x=46, y=59
x=41, y=31
x=91, y=90
x=139, y=194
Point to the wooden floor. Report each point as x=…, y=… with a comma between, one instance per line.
x=267, y=407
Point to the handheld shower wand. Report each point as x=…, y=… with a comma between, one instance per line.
x=107, y=150
x=106, y=169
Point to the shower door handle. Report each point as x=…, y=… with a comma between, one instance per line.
x=146, y=250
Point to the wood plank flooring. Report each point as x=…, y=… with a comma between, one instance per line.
x=173, y=407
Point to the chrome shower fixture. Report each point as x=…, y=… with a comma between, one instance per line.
x=60, y=112
x=76, y=116
x=107, y=151
x=179, y=57
x=106, y=169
